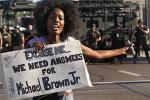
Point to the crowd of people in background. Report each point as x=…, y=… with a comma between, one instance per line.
x=16, y=39
x=119, y=38
x=13, y=38
x=141, y=32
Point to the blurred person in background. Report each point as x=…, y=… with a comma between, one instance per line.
x=29, y=33
x=93, y=36
x=118, y=41
x=17, y=39
x=7, y=40
x=141, y=33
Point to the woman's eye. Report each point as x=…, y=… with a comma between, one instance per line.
x=54, y=17
x=61, y=17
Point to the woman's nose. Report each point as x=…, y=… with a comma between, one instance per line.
x=56, y=19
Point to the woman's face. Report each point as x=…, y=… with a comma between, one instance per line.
x=55, y=22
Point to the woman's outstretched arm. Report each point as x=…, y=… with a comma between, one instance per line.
x=101, y=54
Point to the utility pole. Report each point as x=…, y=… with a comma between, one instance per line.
x=146, y=12
x=105, y=15
x=1, y=18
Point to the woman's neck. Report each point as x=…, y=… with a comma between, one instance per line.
x=54, y=39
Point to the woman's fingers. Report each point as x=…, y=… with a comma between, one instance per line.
x=39, y=46
x=124, y=50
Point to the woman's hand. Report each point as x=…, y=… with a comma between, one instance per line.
x=68, y=92
x=38, y=46
x=123, y=50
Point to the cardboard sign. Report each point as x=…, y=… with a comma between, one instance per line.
x=58, y=67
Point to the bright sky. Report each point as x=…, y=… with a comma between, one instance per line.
x=35, y=0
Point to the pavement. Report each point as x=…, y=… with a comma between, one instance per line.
x=117, y=81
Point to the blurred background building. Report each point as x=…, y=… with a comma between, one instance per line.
x=104, y=13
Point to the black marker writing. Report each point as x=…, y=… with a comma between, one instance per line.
x=60, y=83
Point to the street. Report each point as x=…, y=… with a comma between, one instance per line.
x=115, y=82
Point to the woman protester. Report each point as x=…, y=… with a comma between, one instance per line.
x=56, y=21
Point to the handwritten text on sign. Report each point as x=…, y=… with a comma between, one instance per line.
x=31, y=73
